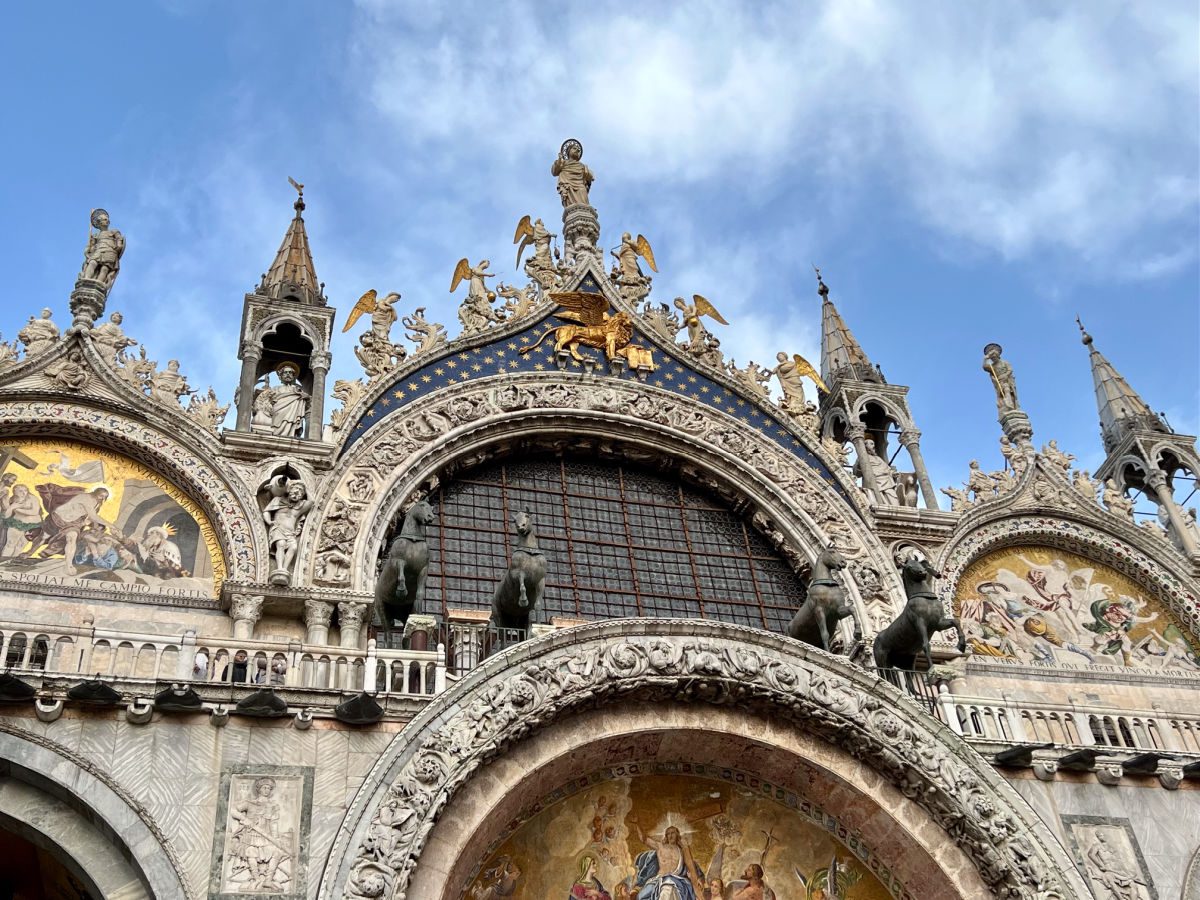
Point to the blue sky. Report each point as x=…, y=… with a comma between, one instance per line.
x=963, y=173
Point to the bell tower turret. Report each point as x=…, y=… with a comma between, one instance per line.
x=286, y=330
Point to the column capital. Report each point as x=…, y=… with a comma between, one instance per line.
x=246, y=607
x=909, y=436
x=1156, y=479
x=317, y=613
x=252, y=349
x=320, y=361
x=350, y=614
x=856, y=432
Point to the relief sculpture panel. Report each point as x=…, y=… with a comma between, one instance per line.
x=678, y=836
x=78, y=515
x=1041, y=605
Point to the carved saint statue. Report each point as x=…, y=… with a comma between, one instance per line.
x=885, y=475
x=38, y=335
x=281, y=410
x=1003, y=381
x=574, y=178
x=284, y=516
x=168, y=385
x=102, y=258
x=110, y=340
x=261, y=852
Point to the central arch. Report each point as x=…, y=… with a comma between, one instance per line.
x=412, y=830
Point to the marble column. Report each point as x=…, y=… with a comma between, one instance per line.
x=245, y=610
x=316, y=405
x=251, y=354
x=911, y=439
x=350, y=618
x=317, y=614
x=1181, y=535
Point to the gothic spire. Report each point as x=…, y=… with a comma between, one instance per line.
x=1121, y=409
x=292, y=275
x=841, y=355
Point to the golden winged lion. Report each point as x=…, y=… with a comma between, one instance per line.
x=596, y=327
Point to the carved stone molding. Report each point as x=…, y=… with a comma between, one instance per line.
x=419, y=441
x=672, y=661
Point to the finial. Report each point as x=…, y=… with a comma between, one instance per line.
x=1087, y=338
x=299, y=204
x=821, y=287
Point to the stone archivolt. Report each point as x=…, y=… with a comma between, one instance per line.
x=686, y=662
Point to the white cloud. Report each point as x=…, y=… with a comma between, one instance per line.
x=1013, y=127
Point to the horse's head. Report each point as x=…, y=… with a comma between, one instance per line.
x=832, y=559
x=421, y=512
x=523, y=522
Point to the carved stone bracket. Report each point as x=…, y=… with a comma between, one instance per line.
x=681, y=662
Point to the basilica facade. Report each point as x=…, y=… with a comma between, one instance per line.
x=559, y=602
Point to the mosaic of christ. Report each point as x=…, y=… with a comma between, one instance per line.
x=1041, y=605
x=73, y=513
x=671, y=837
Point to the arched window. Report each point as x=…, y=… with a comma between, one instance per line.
x=619, y=541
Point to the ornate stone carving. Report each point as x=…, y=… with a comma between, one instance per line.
x=8, y=353
x=723, y=665
x=245, y=610
x=350, y=393
x=284, y=515
x=661, y=320
x=1115, y=501
x=102, y=256
x=885, y=474
x=111, y=341
x=281, y=410
x=541, y=266
x=632, y=283
x=138, y=370
x=427, y=336
x=263, y=833
x=1108, y=853
x=39, y=335
x=168, y=386
x=1059, y=459
x=207, y=410
x=71, y=372
x=375, y=351
x=518, y=302
x=475, y=312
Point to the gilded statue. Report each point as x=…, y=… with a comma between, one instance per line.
x=540, y=267
x=691, y=320
x=475, y=312
x=376, y=352
x=574, y=178
x=596, y=327
x=632, y=282
x=791, y=374
x=105, y=246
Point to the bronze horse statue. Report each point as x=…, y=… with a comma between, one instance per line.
x=898, y=644
x=816, y=620
x=400, y=587
x=520, y=590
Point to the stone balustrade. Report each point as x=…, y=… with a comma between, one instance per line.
x=141, y=664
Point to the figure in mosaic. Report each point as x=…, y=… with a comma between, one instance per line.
x=102, y=257
x=574, y=178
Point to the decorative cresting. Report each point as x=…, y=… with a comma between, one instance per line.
x=685, y=661
x=1171, y=586
x=218, y=491
x=364, y=493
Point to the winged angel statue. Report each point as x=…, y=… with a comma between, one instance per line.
x=376, y=351
x=791, y=374
x=540, y=267
x=697, y=334
x=475, y=312
x=596, y=328
x=632, y=282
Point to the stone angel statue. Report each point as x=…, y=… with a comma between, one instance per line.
x=691, y=319
x=376, y=352
x=791, y=374
x=476, y=311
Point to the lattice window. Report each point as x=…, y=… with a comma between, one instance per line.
x=618, y=541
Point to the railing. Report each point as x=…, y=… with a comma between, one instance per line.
x=87, y=651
